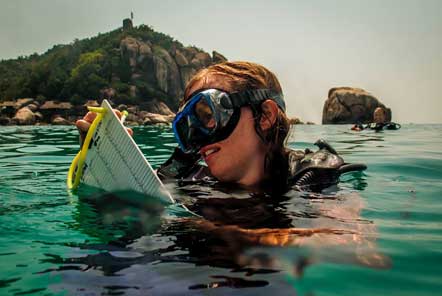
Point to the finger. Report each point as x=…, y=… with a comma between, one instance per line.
x=90, y=116
x=117, y=112
x=82, y=125
x=130, y=131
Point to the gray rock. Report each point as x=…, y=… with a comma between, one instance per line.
x=38, y=116
x=217, y=57
x=33, y=107
x=58, y=120
x=129, y=48
x=20, y=103
x=347, y=105
x=204, y=58
x=24, y=116
x=161, y=73
x=158, y=107
x=295, y=120
x=5, y=120
x=122, y=107
x=180, y=59
x=152, y=118
x=132, y=109
x=186, y=74
x=168, y=75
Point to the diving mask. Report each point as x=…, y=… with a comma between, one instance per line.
x=211, y=115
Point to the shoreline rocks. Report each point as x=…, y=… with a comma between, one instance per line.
x=30, y=112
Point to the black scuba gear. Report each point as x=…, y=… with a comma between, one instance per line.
x=377, y=126
x=307, y=170
x=318, y=170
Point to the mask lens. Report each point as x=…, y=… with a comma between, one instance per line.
x=182, y=131
x=205, y=114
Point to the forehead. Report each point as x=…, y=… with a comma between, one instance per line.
x=379, y=111
x=217, y=81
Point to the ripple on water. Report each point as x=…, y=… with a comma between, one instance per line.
x=54, y=241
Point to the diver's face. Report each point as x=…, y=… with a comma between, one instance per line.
x=240, y=157
x=379, y=116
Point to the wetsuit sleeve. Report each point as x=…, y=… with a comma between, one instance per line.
x=179, y=165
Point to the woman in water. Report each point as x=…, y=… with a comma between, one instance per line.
x=233, y=116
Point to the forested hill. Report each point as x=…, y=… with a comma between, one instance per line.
x=130, y=65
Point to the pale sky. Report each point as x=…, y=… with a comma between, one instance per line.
x=391, y=48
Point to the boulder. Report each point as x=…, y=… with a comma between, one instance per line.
x=348, y=105
x=91, y=103
x=58, y=120
x=204, y=58
x=129, y=48
x=167, y=73
x=132, y=109
x=52, y=105
x=145, y=50
x=4, y=120
x=38, y=116
x=33, y=107
x=157, y=107
x=122, y=107
x=7, y=104
x=295, y=120
x=161, y=73
x=186, y=74
x=24, y=116
x=190, y=52
x=133, y=118
x=23, y=102
x=8, y=108
x=217, y=57
x=180, y=59
x=152, y=118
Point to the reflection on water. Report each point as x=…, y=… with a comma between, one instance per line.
x=242, y=242
x=254, y=235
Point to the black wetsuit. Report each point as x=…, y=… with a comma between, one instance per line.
x=379, y=126
x=306, y=170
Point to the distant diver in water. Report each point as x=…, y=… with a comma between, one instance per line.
x=379, y=122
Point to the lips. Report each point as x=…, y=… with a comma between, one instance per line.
x=208, y=151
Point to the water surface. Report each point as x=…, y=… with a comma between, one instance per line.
x=384, y=224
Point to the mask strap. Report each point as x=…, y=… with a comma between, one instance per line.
x=252, y=97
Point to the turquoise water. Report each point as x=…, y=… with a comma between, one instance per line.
x=386, y=224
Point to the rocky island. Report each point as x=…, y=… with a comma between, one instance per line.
x=349, y=105
x=136, y=68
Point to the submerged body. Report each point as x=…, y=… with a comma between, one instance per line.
x=377, y=126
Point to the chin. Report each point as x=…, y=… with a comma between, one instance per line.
x=221, y=174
